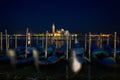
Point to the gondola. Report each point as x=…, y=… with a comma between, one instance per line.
x=110, y=50
x=76, y=59
x=28, y=59
x=20, y=55
x=100, y=56
x=78, y=51
x=6, y=54
x=55, y=58
x=4, y=58
x=62, y=50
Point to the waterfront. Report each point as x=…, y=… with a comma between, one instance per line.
x=62, y=70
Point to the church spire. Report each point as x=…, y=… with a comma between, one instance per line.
x=53, y=28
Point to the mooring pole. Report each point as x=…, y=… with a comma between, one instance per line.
x=1, y=47
x=26, y=44
x=6, y=40
x=115, y=37
x=46, y=44
x=36, y=39
x=69, y=42
x=85, y=42
x=67, y=38
x=100, y=40
x=89, y=46
x=107, y=39
x=15, y=40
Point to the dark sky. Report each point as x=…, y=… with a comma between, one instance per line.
x=75, y=15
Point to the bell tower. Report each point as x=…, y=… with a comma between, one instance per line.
x=53, y=28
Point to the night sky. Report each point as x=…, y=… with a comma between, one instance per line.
x=75, y=16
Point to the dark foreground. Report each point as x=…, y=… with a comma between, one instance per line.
x=60, y=71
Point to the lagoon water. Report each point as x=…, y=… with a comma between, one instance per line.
x=60, y=71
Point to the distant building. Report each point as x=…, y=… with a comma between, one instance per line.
x=56, y=33
x=53, y=28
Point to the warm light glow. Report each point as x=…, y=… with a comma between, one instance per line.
x=36, y=58
x=76, y=65
x=28, y=34
x=105, y=35
x=35, y=53
x=66, y=33
x=57, y=34
x=62, y=30
x=29, y=42
x=76, y=41
x=11, y=53
x=53, y=28
x=75, y=35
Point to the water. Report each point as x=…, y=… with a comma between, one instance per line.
x=59, y=71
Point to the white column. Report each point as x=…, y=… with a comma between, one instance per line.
x=67, y=38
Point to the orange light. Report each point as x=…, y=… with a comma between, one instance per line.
x=28, y=34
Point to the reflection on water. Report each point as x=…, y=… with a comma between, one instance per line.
x=89, y=72
x=58, y=72
x=67, y=77
x=11, y=54
x=75, y=64
x=36, y=58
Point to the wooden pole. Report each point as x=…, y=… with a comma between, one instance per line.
x=100, y=40
x=15, y=40
x=10, y=41
x=70, y=42
x=8, y=36
x=1, y=47
x=6, y=40
x=56, y=42
x=89, y=46
x=52, y=38
x=67, y=38
x=107, y=39
x=85, y=42
x=118, y=40
x=49, y=40
x=42, y=41
x=115, y=37
x=26, y=45
x=67, y=49
x=36, y=39
x=46, y=45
